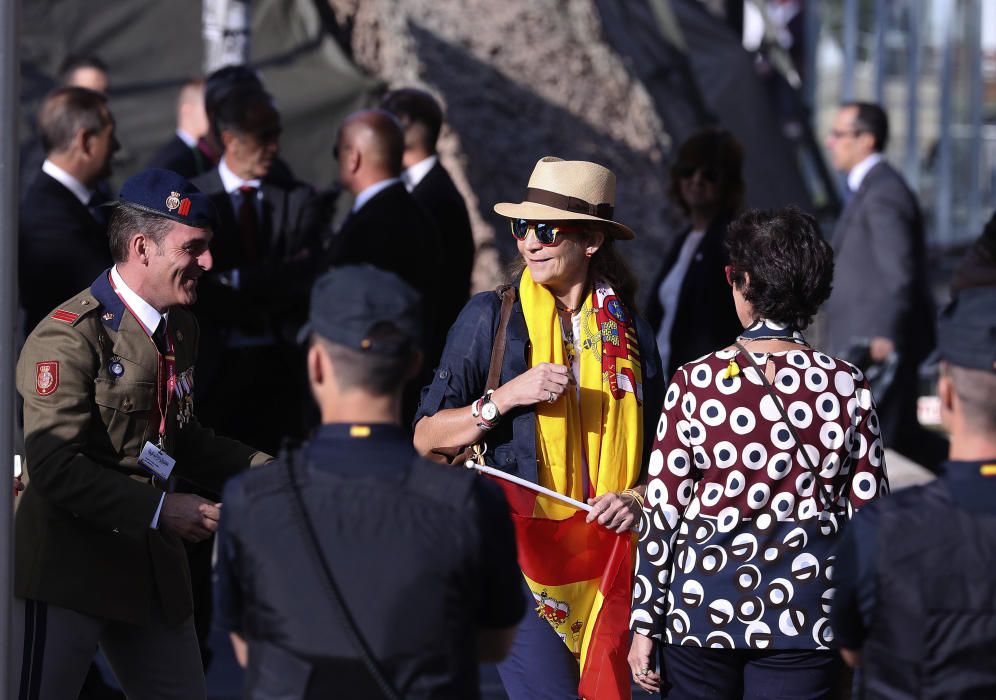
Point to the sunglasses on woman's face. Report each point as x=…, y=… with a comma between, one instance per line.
x=710, y=175
x=546, y=234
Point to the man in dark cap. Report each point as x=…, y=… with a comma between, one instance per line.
x=107, y=380
x=411, y=578
x=914, y=589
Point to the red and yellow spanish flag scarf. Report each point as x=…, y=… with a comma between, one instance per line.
x=581, y=573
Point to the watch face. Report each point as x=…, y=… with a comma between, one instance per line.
x=489, y=411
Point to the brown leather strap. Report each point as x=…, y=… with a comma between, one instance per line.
x=536, y=195
x=827, y=501
x=507, y=293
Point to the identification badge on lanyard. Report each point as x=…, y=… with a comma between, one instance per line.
x=156, y=461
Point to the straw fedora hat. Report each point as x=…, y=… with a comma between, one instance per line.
x=568, y=190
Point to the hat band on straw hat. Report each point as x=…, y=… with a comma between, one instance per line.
x=572, y=204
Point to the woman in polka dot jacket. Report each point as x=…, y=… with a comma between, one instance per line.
x=734, y=571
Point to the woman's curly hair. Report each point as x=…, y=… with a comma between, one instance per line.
x=789, y=266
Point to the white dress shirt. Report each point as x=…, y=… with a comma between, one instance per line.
x=416, y=173
x=149, y=317
x=859, y=171
x=186, y=138
x=370, y=192
x=79, y=190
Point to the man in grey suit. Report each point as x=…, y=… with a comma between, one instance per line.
x=881, y=299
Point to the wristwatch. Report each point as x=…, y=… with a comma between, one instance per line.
x=490, y=415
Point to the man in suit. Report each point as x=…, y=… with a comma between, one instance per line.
x=107, y=381
x=182, y=154
x=881, y=297
x=386, y=227
x=255, y=299
x=62, y=240
x=431, y=186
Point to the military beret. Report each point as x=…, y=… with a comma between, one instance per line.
x=166, y=194
x=351, y=304
x=966, y=329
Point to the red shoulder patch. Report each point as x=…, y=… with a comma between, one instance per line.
x=46, y=377
x=63, y=315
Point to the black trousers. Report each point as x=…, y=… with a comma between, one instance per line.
x=694, y=673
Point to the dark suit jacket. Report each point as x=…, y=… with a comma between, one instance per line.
x=706, y=317
x=442, y=200
x=61, y=248
x=272, y=296
x=880, y=276
x=177, y=156
x=394, y=233
x=83, y=539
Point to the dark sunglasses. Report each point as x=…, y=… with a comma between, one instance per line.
x=546, y=234
x=710, y=175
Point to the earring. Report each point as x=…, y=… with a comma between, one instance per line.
x=588, y=253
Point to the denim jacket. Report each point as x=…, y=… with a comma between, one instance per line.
x=463, y=369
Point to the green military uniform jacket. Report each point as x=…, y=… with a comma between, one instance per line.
x=88, y=374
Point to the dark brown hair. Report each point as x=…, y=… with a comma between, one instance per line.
x=716, y=150
x=65, y=111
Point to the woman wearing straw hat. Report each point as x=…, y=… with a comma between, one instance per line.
x=579, y=392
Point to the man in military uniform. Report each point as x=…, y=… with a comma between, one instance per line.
x=421, y=555
x=914, y=586
x=107, y=380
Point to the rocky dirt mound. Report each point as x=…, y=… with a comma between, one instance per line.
x=521, y=79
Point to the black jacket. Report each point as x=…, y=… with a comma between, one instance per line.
x=706, y=317
x=177, y=156
x=62, y=247
x=440, y=198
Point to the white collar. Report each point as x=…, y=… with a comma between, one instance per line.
x=232, y=182
x=366, y=195
x=186, y=138
x=79, y=190
x=416, y=173
x=859, y=171
x=148, y=316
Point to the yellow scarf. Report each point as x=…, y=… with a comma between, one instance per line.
x=608, y=423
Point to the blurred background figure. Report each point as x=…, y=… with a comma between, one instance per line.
x=913, y=602
x=255, y=298
x=424, y=176
x=85, y=71
x=880, y=315
x=690, y=304
x=387, y=228
x=183, y=153
x=63, y=241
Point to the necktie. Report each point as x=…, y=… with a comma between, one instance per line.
x=159, y=337
x=249, y=224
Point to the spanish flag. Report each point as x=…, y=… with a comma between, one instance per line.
x=581, y=577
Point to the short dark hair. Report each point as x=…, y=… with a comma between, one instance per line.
x=976, y=389
x=419, y=114
x=126, y=221
x=380, y=374
x=65, y=111
x=237, y=110
x=220, y=83
x=871, y=119
x=716, y=150
x=74, y=62
x=789, y=263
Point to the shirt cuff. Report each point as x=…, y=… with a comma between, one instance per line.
x=155, y=518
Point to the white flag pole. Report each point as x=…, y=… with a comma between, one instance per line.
x=528, y=484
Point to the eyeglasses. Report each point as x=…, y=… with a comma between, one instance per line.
x=710, y=175
x=546, y=234
x=836, y=134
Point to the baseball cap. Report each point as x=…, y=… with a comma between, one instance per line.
x=354, y=305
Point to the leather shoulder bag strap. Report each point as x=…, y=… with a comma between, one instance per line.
x=827, y=499
x=508, y=294
x=346, y=620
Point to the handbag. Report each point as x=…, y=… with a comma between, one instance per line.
x=460, y=454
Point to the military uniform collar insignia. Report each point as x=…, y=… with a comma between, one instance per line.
x=112, y=308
